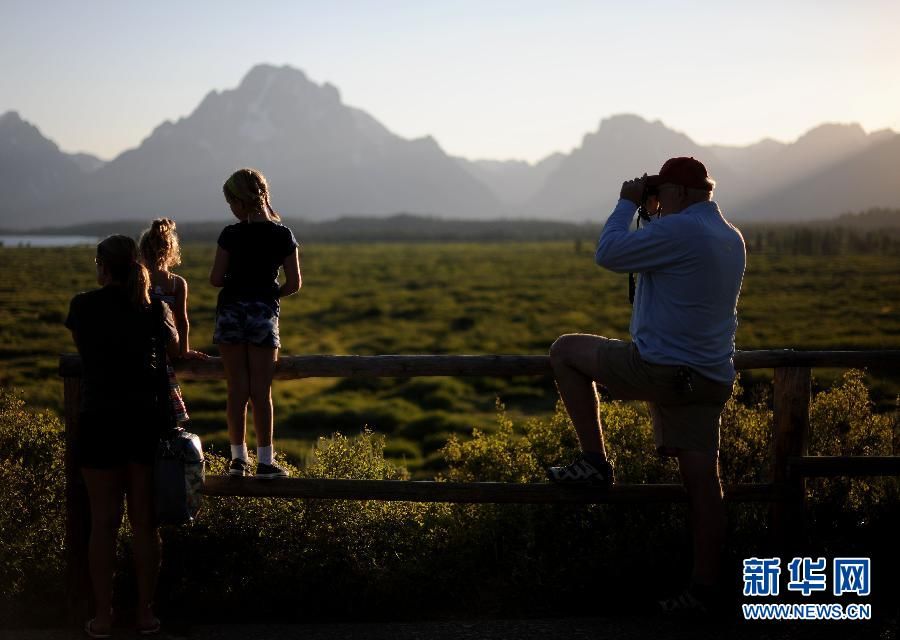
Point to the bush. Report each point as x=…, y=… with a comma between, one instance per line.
x=302, y=559
x=842, y=424
x=252, y=558
x=32, y=507
x=561, y=547
x=746, y=439
x=508, y=454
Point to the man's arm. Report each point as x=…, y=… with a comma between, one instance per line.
x=646, y=249
x=650, y=247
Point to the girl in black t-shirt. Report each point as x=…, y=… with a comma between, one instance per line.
x=249, y=256
x=121, y=337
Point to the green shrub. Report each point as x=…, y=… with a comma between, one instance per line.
x=309, y=558
x=269, y=558
x=746, y=439
x=501, y=455
x=510, y=454
x=842, y=423
x=32, y=505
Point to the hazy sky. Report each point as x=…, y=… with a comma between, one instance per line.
x=486, y=78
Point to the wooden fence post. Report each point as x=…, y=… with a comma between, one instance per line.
x=78, y=523
x=791, y=414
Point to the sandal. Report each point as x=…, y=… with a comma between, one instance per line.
x=89, y=630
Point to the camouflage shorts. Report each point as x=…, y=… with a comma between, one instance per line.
x=253, y=323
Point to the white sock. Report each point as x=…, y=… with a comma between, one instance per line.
x=239, y=451
x=264, y=454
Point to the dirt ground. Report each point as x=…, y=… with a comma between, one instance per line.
x=538, y=629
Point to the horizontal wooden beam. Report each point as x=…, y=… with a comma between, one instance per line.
x=329, y=366
x=773, y=358
x=401, y=366
x=468, y=492
x=825, y=466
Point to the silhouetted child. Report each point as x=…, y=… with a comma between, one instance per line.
x=160, y=251
x=123, y=338
x=249, y=256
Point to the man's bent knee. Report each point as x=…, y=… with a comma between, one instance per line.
x=578, y=351
x=560, y=350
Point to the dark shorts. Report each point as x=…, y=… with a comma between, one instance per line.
x=684, y=418
x=108, y=444
x=253, y=323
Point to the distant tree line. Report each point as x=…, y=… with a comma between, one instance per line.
x=869, y=220
x=873, y=232
x=401, y=227
x=817, y=241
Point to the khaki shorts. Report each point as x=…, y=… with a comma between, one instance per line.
x=683, y=418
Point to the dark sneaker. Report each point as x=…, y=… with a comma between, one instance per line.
x=239, y=467
x=583, y=471
x=273, y=470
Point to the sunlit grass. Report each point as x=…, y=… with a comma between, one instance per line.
x=442, y=298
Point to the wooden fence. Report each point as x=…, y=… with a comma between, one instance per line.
x=784, y=491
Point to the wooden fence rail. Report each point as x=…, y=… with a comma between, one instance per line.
x=470, y=492
x=785, y=491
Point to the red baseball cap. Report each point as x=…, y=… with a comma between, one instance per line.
x=685, y=172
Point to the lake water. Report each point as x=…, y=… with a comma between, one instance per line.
x=46, y=241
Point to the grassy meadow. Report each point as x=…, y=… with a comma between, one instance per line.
x=380, y=298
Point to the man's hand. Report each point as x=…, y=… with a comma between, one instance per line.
x=633, y=189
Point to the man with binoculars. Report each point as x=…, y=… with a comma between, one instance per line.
x=691, y=263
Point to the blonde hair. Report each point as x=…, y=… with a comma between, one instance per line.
x=250, y=188
x=119, y=254
x=159, y=245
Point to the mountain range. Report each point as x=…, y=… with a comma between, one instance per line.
x=325, y=159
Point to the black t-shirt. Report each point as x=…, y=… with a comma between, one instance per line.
x=256, y=250
x=120, y=349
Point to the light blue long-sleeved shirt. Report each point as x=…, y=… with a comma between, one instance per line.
x=691, y=265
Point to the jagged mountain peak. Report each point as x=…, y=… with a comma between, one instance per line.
x=265, y=83
x=20, y=134
x=11, y=121
x=32, y=169
x=849, y=129
x=270, y=105
x=10, y=117
x=621, y=121
x=265, y=73
x=830, y=132
x=323, y=158
x=631, y=124
x=629, y=132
